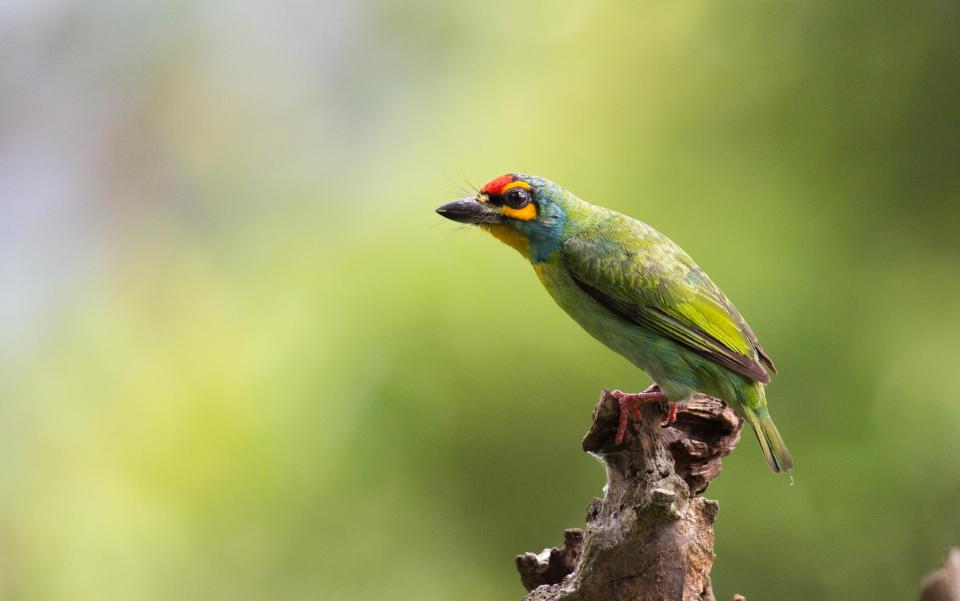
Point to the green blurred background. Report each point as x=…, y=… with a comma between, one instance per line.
x=241, y=358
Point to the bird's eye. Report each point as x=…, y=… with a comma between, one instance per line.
x=517, y=198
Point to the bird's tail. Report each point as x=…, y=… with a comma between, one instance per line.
x=771, y=443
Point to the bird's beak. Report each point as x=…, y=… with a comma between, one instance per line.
x=470, y=210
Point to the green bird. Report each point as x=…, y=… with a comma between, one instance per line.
x=637, y=292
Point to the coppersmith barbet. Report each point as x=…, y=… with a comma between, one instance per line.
x=636, y=291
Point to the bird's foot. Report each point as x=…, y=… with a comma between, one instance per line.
x=630, y=405
x=671, y=415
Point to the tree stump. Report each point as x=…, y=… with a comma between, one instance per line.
x=651, y=536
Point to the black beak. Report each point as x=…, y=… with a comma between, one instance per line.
x=469, y=210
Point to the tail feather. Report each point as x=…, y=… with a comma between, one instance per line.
x=771, y=443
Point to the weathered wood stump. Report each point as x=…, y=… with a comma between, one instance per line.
x=651, y=536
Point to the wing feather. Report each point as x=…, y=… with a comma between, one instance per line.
x=644, y=277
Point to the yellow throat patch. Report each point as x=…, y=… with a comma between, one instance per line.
x=509, y=236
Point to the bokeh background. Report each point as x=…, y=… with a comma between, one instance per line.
x=241, y=358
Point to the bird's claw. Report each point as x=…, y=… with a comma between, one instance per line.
x=671, y=415
x=630, y=406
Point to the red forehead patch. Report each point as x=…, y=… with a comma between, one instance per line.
x=494, y=187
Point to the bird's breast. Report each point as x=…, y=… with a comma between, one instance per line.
x=620, y=336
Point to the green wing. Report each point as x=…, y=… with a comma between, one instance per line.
x=644, y=277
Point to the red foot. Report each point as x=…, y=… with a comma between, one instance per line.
x=629, y=405
x=671, y=415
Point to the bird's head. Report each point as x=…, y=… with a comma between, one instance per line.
x=525, y=211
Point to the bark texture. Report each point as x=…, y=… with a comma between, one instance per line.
x=650, y=537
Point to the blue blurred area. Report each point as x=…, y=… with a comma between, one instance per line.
x=241, y=357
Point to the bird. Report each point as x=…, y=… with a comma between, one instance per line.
x=637, y=292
